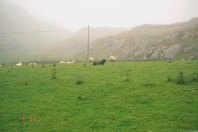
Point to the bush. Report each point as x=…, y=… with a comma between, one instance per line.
x=43, y=65
x=194, y=77
x=53, y=73
x=181, y=78
x=26, y=82
x=127, y=77
x=169, y=79
x=54, y=65
x=79, y=79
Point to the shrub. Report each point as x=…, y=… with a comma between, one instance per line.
x=170, y=61
x=127, y=77
x=26, y=82
x=169, y=79
x=53, y=73
x=10, y=68
x=54, y=65
x=181, y=78
x=79, y=79
x=43, y=65
x=194, y=77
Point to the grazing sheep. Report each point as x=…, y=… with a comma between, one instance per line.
x=112, y=58
x=33, y=63
x=90, y=59
x=19, y=64
x=61, y=62
x=102, y=62
x=70, y=62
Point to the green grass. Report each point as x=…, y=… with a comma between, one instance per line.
x=120, y=96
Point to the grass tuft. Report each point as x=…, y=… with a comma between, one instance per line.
x=43, y=65
x=126, y=77
x=169, y=79
x=79, y=79
x=26, y=83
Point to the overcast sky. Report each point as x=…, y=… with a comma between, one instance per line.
x=74, y=14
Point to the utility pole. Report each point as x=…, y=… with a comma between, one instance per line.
x=88, y=45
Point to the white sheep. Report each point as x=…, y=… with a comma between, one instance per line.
x=61, y=62
x=112, y=58
x=90, y=59
x=33, y=63
x=19, y=64
x=70, y=62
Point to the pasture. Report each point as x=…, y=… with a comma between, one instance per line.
x=117, y=96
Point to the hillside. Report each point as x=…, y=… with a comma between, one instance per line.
x=78, y=41
x=21, y=39
x=150, y=42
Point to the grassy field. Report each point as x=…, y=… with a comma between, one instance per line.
x=120, y=96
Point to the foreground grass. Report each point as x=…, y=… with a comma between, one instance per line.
x=121, y=96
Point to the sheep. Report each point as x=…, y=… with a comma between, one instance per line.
x=19, y=64
x=102, y=62
x=61, y=62
x=90, y=59
x=33, y=63
x=70, y=62
x=112, y=58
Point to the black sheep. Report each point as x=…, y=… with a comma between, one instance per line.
x=102, y=62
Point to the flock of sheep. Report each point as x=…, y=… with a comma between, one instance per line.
x=102, y=62
x=90, y=59
x=111, y=59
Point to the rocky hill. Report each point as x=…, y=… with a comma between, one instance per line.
x=150, y=42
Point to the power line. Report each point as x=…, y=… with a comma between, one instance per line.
x=38, y=31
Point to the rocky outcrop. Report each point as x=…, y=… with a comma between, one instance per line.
x=151, y=42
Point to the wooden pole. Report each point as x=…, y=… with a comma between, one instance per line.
x=88, y=45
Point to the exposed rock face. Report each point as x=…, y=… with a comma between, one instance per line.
x=164, y=47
